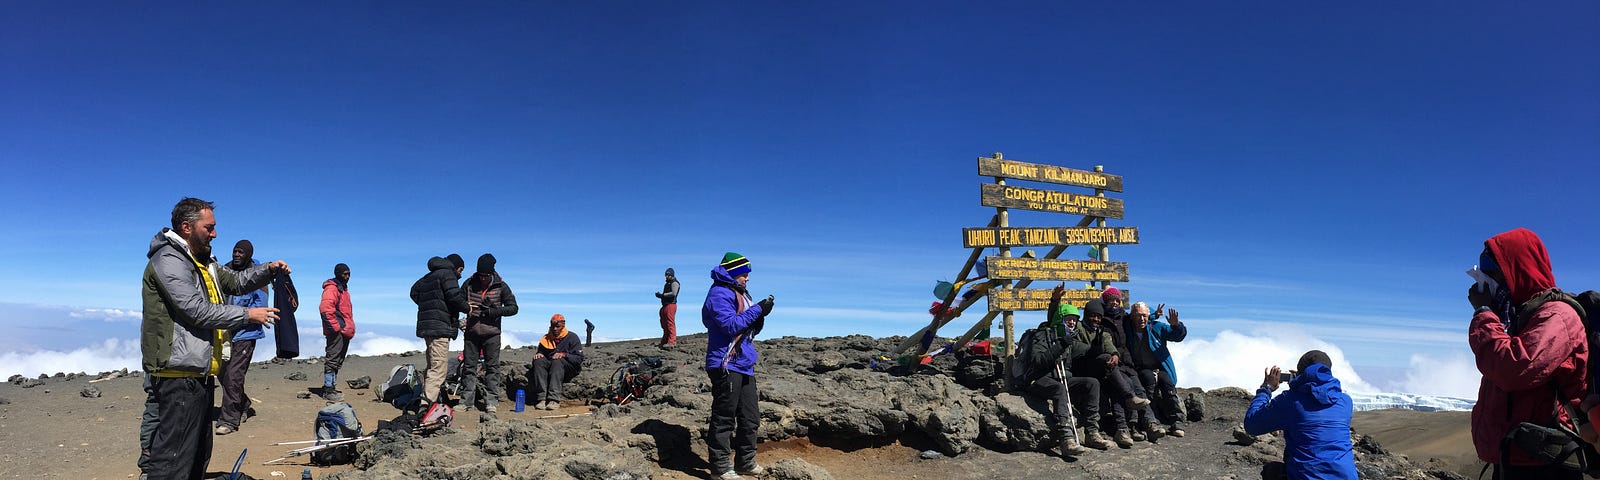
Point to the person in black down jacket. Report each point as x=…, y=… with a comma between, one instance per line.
x=439, y=300
x=489, y=299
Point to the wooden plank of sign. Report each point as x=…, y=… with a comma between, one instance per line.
x=1049, y=201
x=1031, y=236
x=1037, y=172
x=1047, y=269
x=1003, y=299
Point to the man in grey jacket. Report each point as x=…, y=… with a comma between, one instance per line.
x=669, y=311
x=181, y=334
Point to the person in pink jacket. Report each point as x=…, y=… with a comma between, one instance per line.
x=1528, y=340
x=338, y=326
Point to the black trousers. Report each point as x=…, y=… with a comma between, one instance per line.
x=147, y=423
x=1084, y=395
x=181, y=446
x=546, y=376
x=1124, y=384
x=490, y=346
x=234, y=401
x=333, y=358
x=735, y=419
x=1163, y=396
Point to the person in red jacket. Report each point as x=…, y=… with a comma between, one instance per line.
x=338, y=326
x=1528, y=340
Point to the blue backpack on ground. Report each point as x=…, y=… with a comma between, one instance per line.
x=336, y=421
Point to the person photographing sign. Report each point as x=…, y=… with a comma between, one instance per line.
x=732, y=321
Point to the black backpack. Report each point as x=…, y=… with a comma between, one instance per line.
x=1037, y=352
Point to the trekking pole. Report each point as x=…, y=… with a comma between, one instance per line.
x=1072, y=417
x=566, y=415
x=313, y=441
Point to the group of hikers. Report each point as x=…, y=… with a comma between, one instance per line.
x=201, y=321
x=1107, y=366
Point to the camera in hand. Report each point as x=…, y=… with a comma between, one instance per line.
x=1284, y=377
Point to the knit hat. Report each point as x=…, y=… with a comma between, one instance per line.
x=340, y=268
x=1067, y=309
x=456, y=260
x=735, y=264
x=1093, y=308
x=669, y=272
x=486, y=263
x=557, y=318
x=1109, y=293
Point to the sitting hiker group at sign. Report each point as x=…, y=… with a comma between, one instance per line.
x=1112, y=362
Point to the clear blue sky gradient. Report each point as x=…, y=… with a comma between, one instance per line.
x=1333, y=168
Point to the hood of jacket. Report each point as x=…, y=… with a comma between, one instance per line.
x=164, y=238
x=1524, y=262
x=1319, y=382
x=440, y=263
x=720, y=276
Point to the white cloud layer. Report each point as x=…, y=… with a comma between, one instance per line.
x=109, y=354
x=1239, y=360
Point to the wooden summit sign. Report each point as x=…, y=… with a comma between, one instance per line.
x=995, y=167
x=1050, y=269
x=1003, y=299
x=1050, y=201
x=1032, y=236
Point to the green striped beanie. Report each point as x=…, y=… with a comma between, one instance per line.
x=735, y=264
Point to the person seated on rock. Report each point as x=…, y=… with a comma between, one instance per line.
x=558, y=360
x=1043, y=369
x=1122, y=396
x=1147, y=341
x=1314, y=416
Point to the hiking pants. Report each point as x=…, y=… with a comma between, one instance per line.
x=334, y=357
x=546, y=376
x=490, y=346
x=438, y=352
x=1163, y=396
x=669, y=324
x=735, y=419
x=1124, y=384
x=181, y=446
x=147, y=424
x=234, y=401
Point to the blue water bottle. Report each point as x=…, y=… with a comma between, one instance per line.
x=306, y=475
x=520, y=401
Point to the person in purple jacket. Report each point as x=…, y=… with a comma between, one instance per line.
x=732, y=321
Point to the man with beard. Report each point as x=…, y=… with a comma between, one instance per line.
x=180, y=341
x=489, y=300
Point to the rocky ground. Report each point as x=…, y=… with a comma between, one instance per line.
x=826, y=414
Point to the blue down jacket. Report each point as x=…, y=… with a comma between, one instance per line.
x=1315, y=418
x=731, y=324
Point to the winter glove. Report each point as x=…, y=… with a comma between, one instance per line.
x=766, y=306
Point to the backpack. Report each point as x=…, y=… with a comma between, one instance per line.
x=1037, y=353
x=631, y=379
x=1561, y=445
x=337, y=421
x=402, y=388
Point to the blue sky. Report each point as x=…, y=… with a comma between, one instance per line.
x=1302, y=175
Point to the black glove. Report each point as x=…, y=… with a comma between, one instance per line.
x=766, y=306
x=658, y=294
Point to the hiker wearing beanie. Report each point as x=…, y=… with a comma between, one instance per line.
x=1314, y=416
x=338, y=327
x=489, y=300
x=1147, y=341
x=1528, y=337
x=1044, y=358
x=732, y=321
x=185, y=320
x=439, y=300
x=1122, y=396
x=669, y=311
x=558, y=360
x=242, y=346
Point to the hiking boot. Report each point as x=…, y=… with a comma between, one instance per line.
x=1095, y=440
x=1153, y=432
x=1175, y=431
x=225, y=429
x=755, y=470
x=1070, y=448
x=1137, y=435
x=1122, y=439
x=489, y=408
x=332, y=395
x=1135, y=402
x=728, y=475
x=552, y=405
